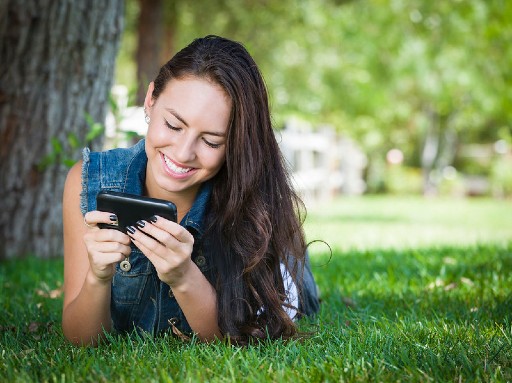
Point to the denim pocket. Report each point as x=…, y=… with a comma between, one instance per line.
x=128, y=286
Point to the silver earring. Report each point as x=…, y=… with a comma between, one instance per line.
x=147, y=119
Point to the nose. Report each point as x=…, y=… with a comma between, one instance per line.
x=184, y=148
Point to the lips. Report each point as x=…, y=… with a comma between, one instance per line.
x=174, y=168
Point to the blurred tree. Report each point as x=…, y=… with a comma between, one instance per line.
x=155, y=40
x=56, y=68
x=423, y=76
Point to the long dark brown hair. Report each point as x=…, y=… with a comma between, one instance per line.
x=255, y=217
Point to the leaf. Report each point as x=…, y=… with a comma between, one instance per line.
x=450, y=286
x=45, y=291
x=113, y=104
x=68, y=162
x=57, y=146
x=89, y=119
x=73, y=141
x=467, y=281
x=178, y=333
x=349, y=302
x=8, y=328
x=95, y=131
x=33, y=327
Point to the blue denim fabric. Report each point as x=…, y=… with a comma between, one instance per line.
x=139, y=299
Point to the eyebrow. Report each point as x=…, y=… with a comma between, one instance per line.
x=177, y=115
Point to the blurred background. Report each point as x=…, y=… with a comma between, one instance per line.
x=377, y=96
x=394, y=98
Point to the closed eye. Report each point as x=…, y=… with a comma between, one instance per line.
x=211, y=144
x=171, y=126
x=208, y=143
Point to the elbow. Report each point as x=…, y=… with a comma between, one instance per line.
x=81, y=341
x=77, y=337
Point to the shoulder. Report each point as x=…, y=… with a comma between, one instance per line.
x=74, y=177
x=116, y=155
x=123, y=153
x=72, y=189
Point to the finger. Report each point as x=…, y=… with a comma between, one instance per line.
x=176, y=230
x=92, y=218
x=115, y=247
x=166, y=239
x=94, y=239
x=111, y=235
x=102, y=264
x=148, y=246
x=152, y=245
x=95, y=247
x=108, y=258
x=161, y=236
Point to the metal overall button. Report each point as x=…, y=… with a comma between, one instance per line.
x=125, y=265
x=200, y=260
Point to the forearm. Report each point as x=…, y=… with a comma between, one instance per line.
x=198, y=300
x=86, y=317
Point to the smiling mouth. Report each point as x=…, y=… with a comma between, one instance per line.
x=175, y=168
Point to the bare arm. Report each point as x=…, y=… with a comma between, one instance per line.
x=89, y=258
x=171, y=256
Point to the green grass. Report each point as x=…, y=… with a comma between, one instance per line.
x=436, y=312
x=381, y=222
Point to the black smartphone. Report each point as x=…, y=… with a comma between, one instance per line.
x=130, y=208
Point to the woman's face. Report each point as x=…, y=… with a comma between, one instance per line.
x=186, y=139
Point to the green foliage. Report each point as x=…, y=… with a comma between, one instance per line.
x=385, y=72
x=65, y=152
x=501, y=176
x=402, y=180
x=437, y=313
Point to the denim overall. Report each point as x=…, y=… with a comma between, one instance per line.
x=139, y=300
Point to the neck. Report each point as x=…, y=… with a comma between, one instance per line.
x=183, y=200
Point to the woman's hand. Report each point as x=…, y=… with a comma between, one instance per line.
x=105, y=247
x=167, y=245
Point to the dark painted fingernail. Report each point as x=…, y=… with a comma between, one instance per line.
x=113, y=217
x=141, y=224
x=131, y=229
x=153, y=219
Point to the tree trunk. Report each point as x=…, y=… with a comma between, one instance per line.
x=155, y=33
x=430, y=152
x=56, y=68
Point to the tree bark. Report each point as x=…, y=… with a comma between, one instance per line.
x=155, y=33
x=56, y=67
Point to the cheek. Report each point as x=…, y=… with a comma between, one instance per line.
x=157, y=136
x=216, y=160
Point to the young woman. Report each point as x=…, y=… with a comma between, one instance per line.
x=236, y=263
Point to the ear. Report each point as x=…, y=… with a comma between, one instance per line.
x=148, y=101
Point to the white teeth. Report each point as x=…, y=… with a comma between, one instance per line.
x=175, y=168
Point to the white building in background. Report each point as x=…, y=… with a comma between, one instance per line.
x=322, y=163
x=127, y=125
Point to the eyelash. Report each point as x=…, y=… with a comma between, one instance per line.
x=211, y=145
x=208, y=143
x=172, y=127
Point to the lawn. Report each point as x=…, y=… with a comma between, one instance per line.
x=415, y=290
x=379, y=222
